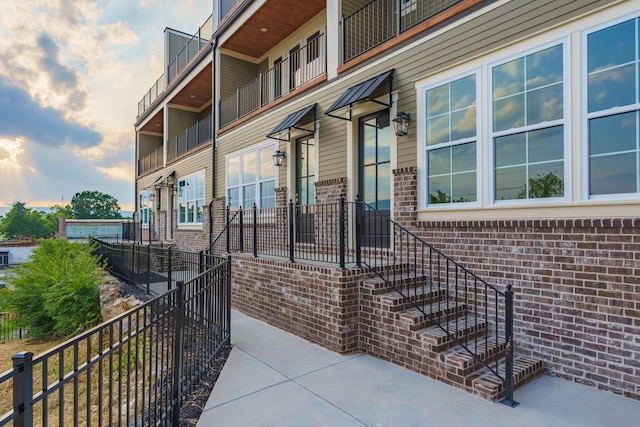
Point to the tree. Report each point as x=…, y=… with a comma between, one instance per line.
x=56, y=212
x=57, y=292
x=547, y=185
x=95, y=205
x=23, y=221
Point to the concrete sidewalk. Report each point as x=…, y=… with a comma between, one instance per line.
x=273, y=378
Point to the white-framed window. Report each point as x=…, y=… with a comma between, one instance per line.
x=528, y=132
x=611, y=70
x=450, y=141
x=145, y=204
x=251, y=178
x=191, y=199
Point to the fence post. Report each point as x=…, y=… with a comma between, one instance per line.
x=255, y=231
x=358, y=231
x=341, y=225
x=291, y=236
x=178, y=353
x=23, y=388
x=241, y=230
x=148, y=269
x=508, y=304
x=133, y=261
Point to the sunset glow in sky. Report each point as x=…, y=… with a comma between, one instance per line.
x=71, y=75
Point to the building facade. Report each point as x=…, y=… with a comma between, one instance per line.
x=520, y=161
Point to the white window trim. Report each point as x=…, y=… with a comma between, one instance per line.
x=585, y=115
x=185, y=225
x=144, y=195
x=423, y=199
x=238, y=154
x=566, y=121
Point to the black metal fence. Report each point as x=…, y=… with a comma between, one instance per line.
x=134, y=370
x=8, y=329
x=477, y=315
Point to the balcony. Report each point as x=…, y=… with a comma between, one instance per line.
x=380, y=21
x=151, y=161
x=292, y=72
x=192, y=47
x=190, y=139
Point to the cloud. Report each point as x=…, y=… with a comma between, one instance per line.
x=59, y=75
x=22, y=116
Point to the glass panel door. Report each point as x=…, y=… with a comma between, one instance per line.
x=305, y=189
x=374, y=179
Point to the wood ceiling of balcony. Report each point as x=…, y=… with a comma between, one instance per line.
x=193, y=96
x=279, y=18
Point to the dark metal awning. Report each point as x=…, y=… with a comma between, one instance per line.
x=368, y=90
x=160, y=180
x=293, y=121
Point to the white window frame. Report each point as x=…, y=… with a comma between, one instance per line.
x=566, y=122
x=196, y=201
x=585, y=116
x=258, y=180
x=424, y=186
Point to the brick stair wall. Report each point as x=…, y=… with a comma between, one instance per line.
x=394, y=330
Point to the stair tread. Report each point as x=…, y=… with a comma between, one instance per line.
x=414, y=315
x=525, y=368
x=485, y=349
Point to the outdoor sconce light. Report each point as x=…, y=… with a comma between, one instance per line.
x=401, y=123
x=152, y=197
x=277, y=158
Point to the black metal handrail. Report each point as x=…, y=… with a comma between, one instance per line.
x=477, y=315
x=135, y=369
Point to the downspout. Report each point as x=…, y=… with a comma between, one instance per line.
x=214, y=115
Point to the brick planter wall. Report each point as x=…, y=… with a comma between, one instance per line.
x=317, y=303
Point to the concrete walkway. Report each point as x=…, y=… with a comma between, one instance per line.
x=273, y=378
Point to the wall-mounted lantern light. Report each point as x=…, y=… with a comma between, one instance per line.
x=401, y=123
x=278, y=156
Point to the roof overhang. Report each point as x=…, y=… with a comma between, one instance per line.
x=368, y=90
x=294, y=121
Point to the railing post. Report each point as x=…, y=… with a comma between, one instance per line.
x=178, y=353
x=291, y=234
x=255, y=231
x=342, y=56
x=341, y=224
x=148, y=269
x=200, y=262
x=398, y=17
x=508, y=304
x=133, y=260
x=227, y=307
x=359, y=213
x=23, y=388
x=241, y=230
x=228, y=229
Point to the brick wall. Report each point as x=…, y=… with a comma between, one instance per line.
x=192, y=240
x=317, y=303
x=576, y=284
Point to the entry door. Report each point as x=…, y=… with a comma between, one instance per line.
x=374, y=179
x=305, y=189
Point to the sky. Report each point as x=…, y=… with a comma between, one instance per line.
x=71, y=75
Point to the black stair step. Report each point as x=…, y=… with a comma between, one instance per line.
x=484, y=348
x=441, y=338
x=439, y=312
x=487, y=385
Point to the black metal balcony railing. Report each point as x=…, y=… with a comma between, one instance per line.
x=380, y=21
x=191, y=138
x=133, y=370
x=356, y=234
x=151, y=161
x=294, y=71
x=192, y=47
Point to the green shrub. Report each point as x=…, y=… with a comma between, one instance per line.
x=56, y=293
